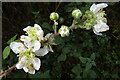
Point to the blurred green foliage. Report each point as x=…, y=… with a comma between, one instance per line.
x=81, y=55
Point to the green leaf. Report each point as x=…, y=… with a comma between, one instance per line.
x=45, y=74
x=17, y=40
x=92, y=56
x=77, y=69
x=85, y=73
x=92, y=74
x=12, y=39
x=93, y=63
x=115, y=76
x=35, y=13
x=6, y=52
x=66, y=50
x=62, y=57
x=59, y=40
x=88, y=66
x=47, y=26
x=83, y=60
x=40, y=75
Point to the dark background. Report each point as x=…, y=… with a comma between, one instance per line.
x=17, y=15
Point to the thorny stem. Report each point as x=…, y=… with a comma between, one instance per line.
x=6, y=72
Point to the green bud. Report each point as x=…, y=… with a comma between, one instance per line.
x=86, y=12
x=76, y=13
x=91, y=21
x=89, y=16
x=61, y=20
x=88, y=26
x=54, y=16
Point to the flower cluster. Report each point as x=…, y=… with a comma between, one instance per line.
x=29, y=47
x=31, y=43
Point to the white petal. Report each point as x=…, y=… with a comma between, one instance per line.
x=36, y=63
x=17, y=47
x=41, y=52
x=92, y=7
x=36, y=25
x=101, y=26
x=40, y=33
x=31, y=71
x=97, y=33
x=25, y=38
x=25, y=69
x=95, y=8
x=36, y=46
x=21, y=63
x=27, y=28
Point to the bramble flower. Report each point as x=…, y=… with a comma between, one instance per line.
x=100, y=27
x=35, y=33
x=100, y=21
x=64, y=31
x=29, y=64
x=96, y=8
x=27, y=59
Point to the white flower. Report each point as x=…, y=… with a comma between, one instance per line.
x=29, y=64
x=35, y=33
x=100, y=27
x=29, y=43
x=17, y=47
x=95, y=8
x=64, y=31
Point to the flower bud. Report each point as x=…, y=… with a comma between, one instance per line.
x=88, y=26
x=91, y=21
x=64, y=31
x=86, y=12
x=76, y=13
x=54, y=16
